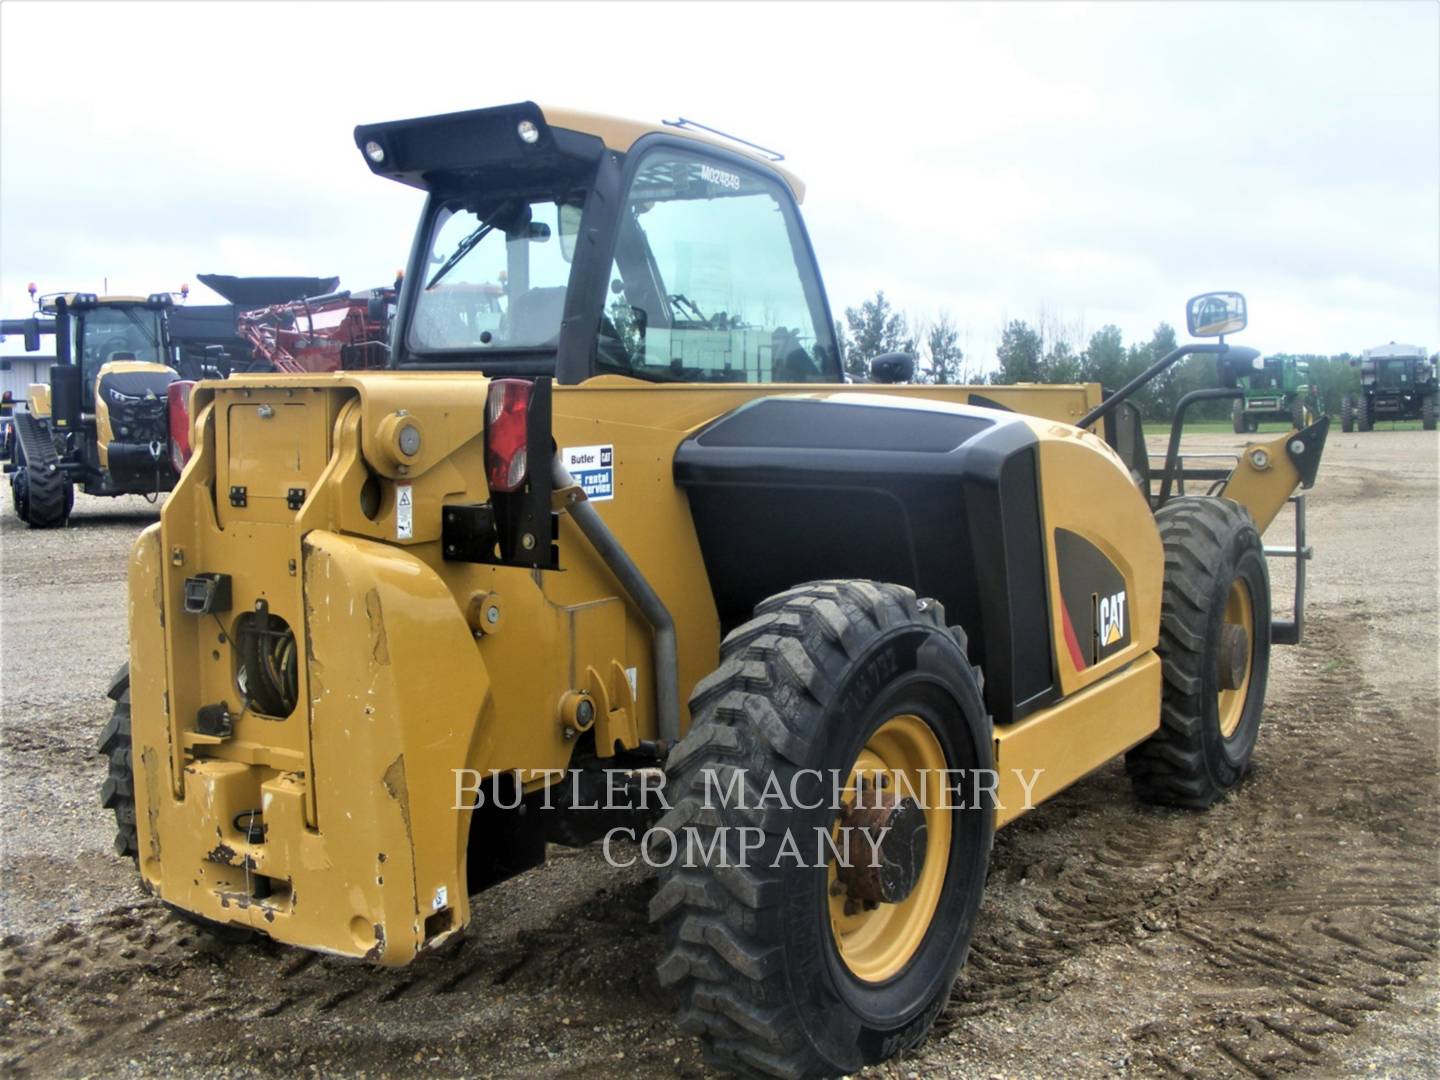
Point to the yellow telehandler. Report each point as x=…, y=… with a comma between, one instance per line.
x=620, y=557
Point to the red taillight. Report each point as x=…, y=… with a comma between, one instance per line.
x=177, y=403
x=507, y=423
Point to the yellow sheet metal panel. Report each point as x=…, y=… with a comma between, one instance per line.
x=1047, y=752
x=1263, y=480
x=275, y=444
x=1087, y=490
x=398, y=689
x=149, y=727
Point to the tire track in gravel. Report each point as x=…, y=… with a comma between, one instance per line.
x=1343, y=919
x=1281, y=919
x=1299, y=929
x=140, y=982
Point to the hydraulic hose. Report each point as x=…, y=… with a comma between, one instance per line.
x=644, y=597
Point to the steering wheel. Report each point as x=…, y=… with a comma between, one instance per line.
x=116, y=344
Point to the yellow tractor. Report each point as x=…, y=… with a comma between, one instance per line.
x=398, y=630
x=102, y=421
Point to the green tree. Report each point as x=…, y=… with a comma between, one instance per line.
x=1062, y=364
x=941, y=363
x=1105, y=360
x=1021, y=354
x=1333, y=378
x=1192, y=373
x=875, y=329
x=1155, y=400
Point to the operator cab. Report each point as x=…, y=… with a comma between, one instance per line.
x=602, y=248
x=113, y=330
x=113, y=334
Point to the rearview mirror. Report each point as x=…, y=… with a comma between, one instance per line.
x=32, y=335
x=569, y=230
x=1215, y=314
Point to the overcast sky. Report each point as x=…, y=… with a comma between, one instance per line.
x=1084, y=164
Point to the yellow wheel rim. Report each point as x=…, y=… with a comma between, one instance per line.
x=1239, y=611
x=876, y=942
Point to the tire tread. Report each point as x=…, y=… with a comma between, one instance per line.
x=757, y=711
x=1169, y=768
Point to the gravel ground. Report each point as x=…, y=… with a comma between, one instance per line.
x=1291, y=929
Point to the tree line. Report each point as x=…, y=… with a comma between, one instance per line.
x=1049, y=352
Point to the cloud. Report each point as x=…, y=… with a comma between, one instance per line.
x=1099, y=163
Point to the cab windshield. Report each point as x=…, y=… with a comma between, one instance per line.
x=1394, y=374
x=495, y=278
x=111, y=333
x=1271, y=377
x=711, y=280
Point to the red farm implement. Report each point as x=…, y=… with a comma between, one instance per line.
x=340, y=331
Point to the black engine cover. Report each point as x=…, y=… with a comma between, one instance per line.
x=941, y=497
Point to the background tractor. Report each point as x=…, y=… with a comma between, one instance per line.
x=102, y=421
x=1397, y=382
x=398, y=630
x=1279, y=389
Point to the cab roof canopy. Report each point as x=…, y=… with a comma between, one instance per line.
x=1394, y=351
x=515, y=146
x=80, y=300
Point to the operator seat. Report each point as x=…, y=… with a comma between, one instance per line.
x=534, y=316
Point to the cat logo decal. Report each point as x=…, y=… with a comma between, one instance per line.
x=1112, y=619
x=1094, y=601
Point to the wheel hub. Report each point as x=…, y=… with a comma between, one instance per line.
x=887, y=841
x=1234, y=656
x=878, y=927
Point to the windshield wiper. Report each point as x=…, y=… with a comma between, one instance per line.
x=149, y=338
x=460, y=252
x=684, y=302
x=465, y=246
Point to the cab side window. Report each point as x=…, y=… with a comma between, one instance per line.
x=711, y=281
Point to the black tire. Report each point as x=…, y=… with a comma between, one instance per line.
x=1347, y=415
x=751, y=953
x=50, y=498
x=1364, y=416
x=1237, y=418
x=1298, y=413
x=20, y=494
x=118, y=791
x=1211, y=544
x=1427, y=413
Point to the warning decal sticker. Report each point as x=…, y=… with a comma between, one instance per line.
x=404, y=512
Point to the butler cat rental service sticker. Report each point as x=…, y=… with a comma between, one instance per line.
x=593, y=468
